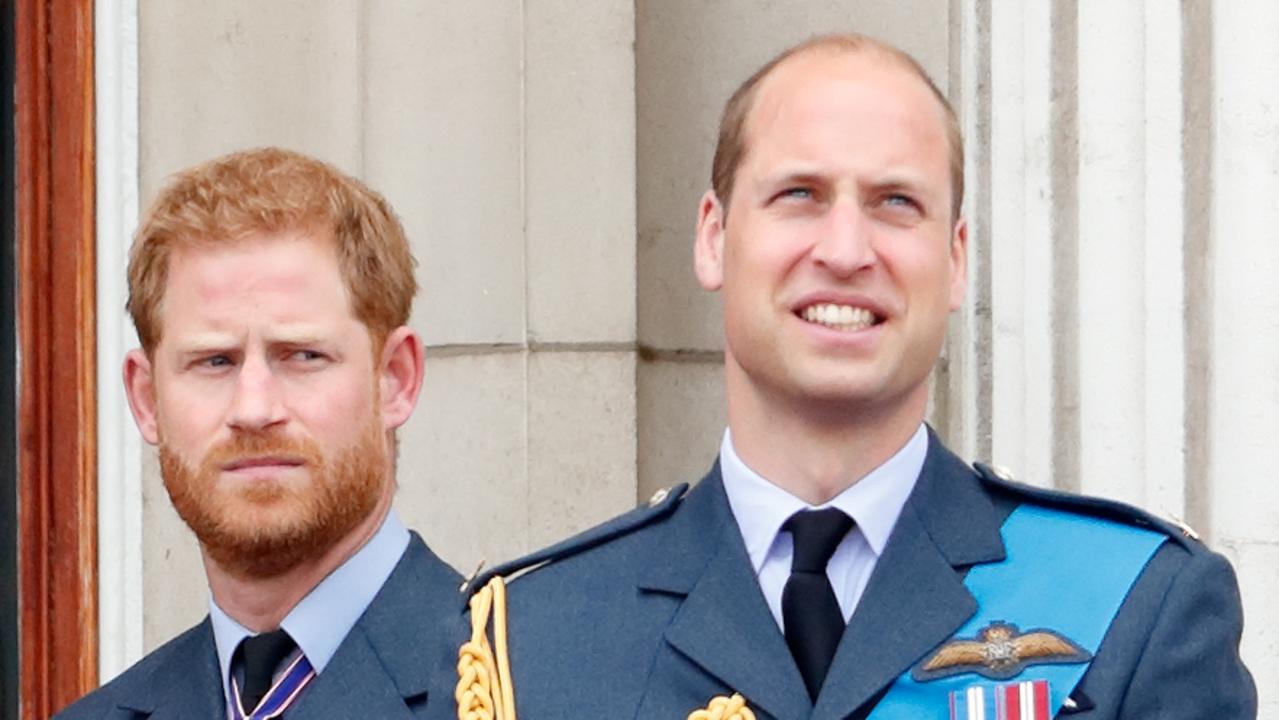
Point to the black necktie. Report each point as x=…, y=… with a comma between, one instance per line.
x=260, y=655
x=810, y=611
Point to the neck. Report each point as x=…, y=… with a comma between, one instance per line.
x=816, y=451
x=260, y=604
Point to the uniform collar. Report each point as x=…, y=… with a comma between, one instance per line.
x=914, y=601
x=320, y=621
x=874, y=502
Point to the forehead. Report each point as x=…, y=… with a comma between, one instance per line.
x=282, y=273
x=864, y=102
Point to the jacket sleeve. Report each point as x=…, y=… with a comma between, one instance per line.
x=1190, y=665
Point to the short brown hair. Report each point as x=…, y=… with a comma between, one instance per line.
x=731, y=148
x=270, y=190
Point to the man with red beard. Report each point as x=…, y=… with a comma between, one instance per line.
x=271, y=294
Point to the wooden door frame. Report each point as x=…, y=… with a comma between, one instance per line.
x=57, y=421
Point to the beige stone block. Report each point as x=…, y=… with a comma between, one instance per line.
x=221, y=76
x=175, y=593
x=443, y=123
x=580, y=170
x=681, y=421
x=581, y=441
x=462, y=470
x=689, y=58
x=674, y=312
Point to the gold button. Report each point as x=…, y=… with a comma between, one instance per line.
x=658, y=497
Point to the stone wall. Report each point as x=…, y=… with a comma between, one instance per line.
x=547, y=156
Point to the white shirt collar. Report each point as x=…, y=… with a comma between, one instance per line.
x=874, y=502
x=322, y=619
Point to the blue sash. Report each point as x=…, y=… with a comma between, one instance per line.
x=1064, y=572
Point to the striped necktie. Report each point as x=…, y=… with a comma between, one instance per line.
x=260, y=656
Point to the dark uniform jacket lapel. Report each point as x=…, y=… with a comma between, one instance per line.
x=723, y=624
x=915, y=598
x=398, y=655
x=405, y=640
x=193, y=692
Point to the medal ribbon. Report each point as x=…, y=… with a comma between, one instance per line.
x=1026, y=700
x=280, y=696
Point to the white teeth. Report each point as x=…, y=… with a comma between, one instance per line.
x=839, y=317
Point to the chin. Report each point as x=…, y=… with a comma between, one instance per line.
x=267, y=542
x=263, y=520
x=850, y=394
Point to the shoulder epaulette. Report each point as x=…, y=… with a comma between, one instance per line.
x=1100, y=507
x=662, y=503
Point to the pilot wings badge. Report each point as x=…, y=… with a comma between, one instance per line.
x=999, y=652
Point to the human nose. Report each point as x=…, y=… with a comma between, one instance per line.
x=845, y=243
x=257, y=404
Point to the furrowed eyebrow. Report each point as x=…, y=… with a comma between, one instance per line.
x=900, y=182
x=204, y=344
x=896, y=182
x=291, y=340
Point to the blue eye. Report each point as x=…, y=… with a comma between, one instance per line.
x=899, y=200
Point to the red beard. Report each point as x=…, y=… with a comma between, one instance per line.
x=266, y=527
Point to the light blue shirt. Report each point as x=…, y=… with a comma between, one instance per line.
x=322, y=619
x=874, y=503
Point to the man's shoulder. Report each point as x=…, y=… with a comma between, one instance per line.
x=557, y=603
x=597, y=545
x=138, y=684
x=1178, y=628
x=1011, y=493
x=1178, y=553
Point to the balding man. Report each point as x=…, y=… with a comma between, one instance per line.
x=838, y=561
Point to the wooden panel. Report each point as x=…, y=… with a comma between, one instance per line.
x=57, y=542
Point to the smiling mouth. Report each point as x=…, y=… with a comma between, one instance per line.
x=845, y=318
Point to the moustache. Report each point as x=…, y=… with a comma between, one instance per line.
x=245, y=448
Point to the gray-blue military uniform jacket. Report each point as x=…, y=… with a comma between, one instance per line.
x=396, y=662
x=657, y=612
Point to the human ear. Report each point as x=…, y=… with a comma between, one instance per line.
x=958, y=263
x=139, y=387
x=708, y=247
x=400, y=375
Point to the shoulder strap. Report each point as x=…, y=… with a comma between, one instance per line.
x=659, y=506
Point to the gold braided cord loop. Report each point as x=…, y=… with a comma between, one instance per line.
x=484, y=690
x=724, y=708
